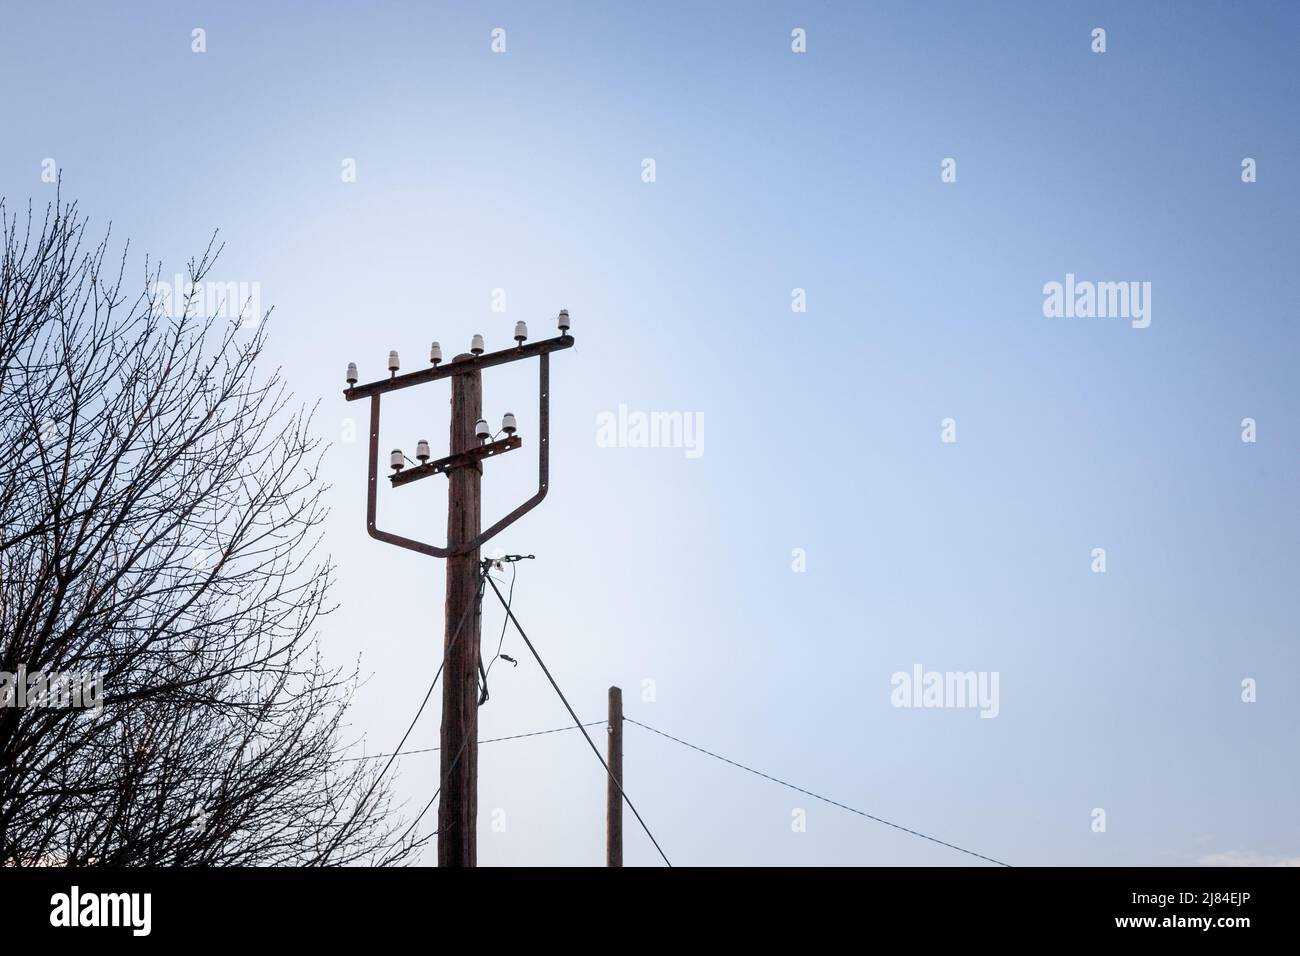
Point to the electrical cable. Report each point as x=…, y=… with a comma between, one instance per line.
x=483, y=698
x=441, y=783
x=817, y=796
x=514, y=620
x=427, y=694
x=490, y=740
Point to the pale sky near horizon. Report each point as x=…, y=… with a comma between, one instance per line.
x=523, y=171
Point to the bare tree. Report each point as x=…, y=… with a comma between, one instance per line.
x=159, y=516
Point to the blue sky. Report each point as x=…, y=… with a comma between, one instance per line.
x=776, y=171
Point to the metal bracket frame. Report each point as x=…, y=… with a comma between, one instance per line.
x=375, y=390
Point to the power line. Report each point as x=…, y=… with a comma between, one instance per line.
x=433, y=799
x=490, y=740
x=427, y=694
x=493, y=740
x=484, y=575
x=817, y=796
x=515, y=621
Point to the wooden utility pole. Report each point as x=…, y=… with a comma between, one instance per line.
x=471, y=443
x=613, y=797
x=458, y=806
